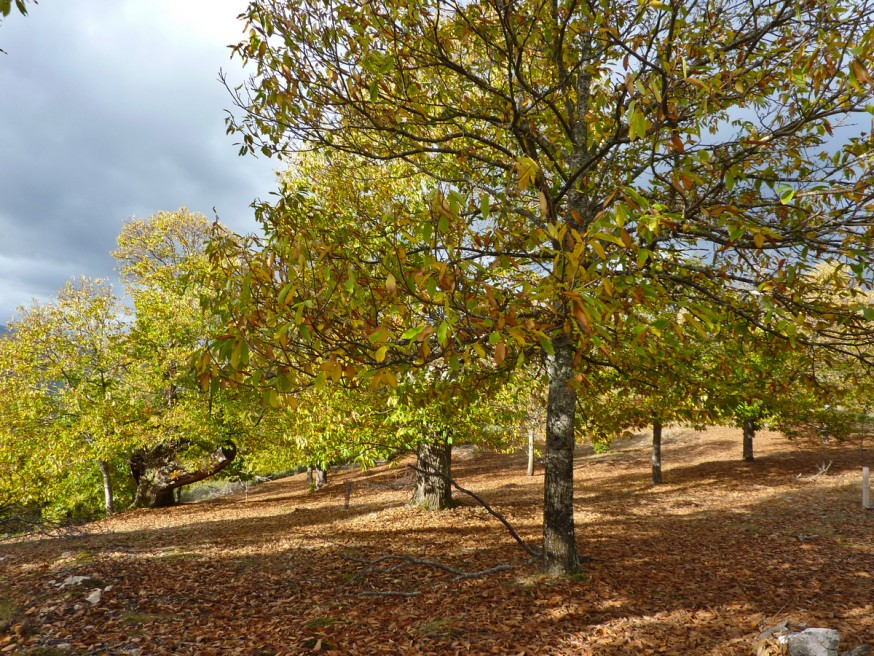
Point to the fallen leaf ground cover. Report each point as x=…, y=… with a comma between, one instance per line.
x=698, y=565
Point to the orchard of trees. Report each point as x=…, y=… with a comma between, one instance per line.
x=572, y=218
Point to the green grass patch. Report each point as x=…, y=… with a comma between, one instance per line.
x=321, y=622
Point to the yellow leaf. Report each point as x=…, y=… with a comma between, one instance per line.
x=380, y=353
x=698, y=83
x=759, y=239
x=391, y=284
x=376, y=380
x=544, y=204
x=596, y=246
x=526, y=171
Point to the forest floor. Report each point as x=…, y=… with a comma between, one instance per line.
x=699, y=565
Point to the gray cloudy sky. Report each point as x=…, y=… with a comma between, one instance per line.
x=110, y=110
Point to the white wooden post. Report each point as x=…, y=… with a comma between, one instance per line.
x=866, y=488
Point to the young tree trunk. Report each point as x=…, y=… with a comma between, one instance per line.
x=311, y=481
x=749, y=434
x=656, y=452
x=531, y=452
x=108, y=503
x=433, y=469
x=559, y=541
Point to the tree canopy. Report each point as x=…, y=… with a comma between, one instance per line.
x=583, y=165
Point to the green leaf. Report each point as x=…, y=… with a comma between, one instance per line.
x=320, y=380
x=378, y=335
x=412, y=333
x=485, y=207
x=638, y=124
x=442, y=331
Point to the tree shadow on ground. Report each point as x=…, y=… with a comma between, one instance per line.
x=697, y=566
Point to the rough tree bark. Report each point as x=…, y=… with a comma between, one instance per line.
x=433, y=490
x=559, y=540
x=317, y=477
x=321, y=477
x=656, y=452
x=158, y=474
x=749, y=427
x=108, y=502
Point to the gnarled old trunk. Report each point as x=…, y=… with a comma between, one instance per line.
x=158, y=473
x=433, y=469
x=559, y=540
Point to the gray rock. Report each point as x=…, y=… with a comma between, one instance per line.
x=94, y=597
x=812, y=642
x=74, y=580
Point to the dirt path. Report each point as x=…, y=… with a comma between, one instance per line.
x=698, y=565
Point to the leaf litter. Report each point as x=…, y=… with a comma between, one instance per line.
x=699, y=565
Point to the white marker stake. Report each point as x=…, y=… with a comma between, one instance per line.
x=866, y=488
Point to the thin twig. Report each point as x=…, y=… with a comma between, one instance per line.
x=823, y=469
x=387, y=593
x=530, y=550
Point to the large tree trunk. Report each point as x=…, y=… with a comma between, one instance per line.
x=317, y=477
x=530, y=452
x=158, y=474
x=656, y=452
x=559, y=541
x=433, y=469
x=321, y=476
x=749, y=427
x=108, y=503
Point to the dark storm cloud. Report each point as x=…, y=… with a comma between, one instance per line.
x=108, y=111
